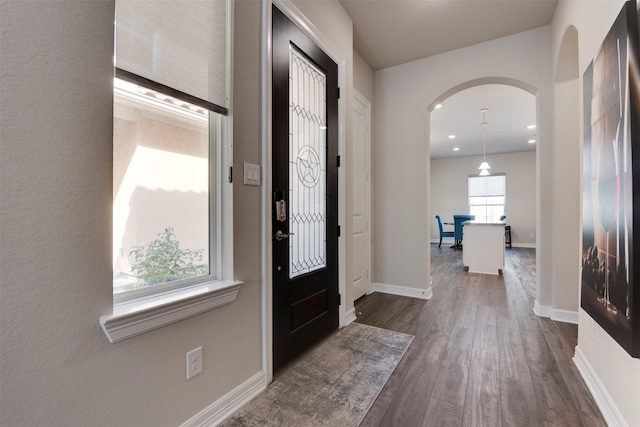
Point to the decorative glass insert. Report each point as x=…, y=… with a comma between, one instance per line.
x=307, y=165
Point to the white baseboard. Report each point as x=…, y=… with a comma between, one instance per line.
x=221, y=409
x=524, y=245
x=558, y=315
x=447, y=240
x=450, y=241
x=607, y=406
x=541, y=310
x=350, y=317
x=403, y=291
x=565, y=316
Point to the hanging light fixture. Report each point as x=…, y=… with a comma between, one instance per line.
x=484, y=166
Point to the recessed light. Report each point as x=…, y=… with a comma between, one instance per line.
x=451, y=136
x=531, y=141
x=531, y=127
x=437, y=107
x=456, y=148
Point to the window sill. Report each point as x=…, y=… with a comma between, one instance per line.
x=145, y=314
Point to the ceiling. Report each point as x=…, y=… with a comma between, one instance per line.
x=510, y=111
x=392, y=32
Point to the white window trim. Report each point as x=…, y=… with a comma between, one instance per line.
x=146, y=313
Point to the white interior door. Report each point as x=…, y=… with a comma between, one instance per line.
x=361, y=196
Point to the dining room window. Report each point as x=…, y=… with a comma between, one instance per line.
x=487, y=197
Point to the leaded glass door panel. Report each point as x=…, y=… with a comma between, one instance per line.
x=307, y=165
x=305, y=208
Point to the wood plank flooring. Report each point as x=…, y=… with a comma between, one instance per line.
x=481, y=357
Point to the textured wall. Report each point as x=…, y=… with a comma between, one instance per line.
x=362, y=76
x=57, y=366
x=618, y=372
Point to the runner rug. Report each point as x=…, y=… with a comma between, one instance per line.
x=334, y=384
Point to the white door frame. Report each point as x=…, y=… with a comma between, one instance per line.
x=366, y=105
x=289, y=9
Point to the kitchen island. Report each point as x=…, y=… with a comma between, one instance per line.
x=483, y=248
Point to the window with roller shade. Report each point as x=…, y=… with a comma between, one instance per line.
x=487, y=197
x=170, y=107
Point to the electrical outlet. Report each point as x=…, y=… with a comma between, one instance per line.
x=194, y=362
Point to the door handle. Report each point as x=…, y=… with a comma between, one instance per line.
x=280, y=235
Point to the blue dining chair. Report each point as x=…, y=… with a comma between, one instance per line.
x=442, y=232
x=457, y=228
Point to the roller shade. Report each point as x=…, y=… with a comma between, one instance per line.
x=180, y=44
x=482, y=186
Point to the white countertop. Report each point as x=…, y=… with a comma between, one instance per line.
x=482, y=223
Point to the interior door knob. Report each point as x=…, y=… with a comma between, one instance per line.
x=280, y=235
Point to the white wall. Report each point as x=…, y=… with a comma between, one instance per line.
x=401, y=156
x=618, y=372
x=362, y=76
x=449, y=185
x=57, y=366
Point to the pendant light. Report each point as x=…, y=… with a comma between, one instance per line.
x=484, y=166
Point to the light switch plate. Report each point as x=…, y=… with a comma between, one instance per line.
x=251, y=174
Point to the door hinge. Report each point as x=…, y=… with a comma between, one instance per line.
x=230, y=173
x=338, y=161
x=339, y=299
x=338, y=92
x=338, y=231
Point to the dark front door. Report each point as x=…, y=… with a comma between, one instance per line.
x=305, y=197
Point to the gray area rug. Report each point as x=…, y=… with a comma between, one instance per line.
x=334, y=384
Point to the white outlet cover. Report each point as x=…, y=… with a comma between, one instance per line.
x=194, y=362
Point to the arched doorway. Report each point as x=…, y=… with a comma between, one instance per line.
x=456, y=151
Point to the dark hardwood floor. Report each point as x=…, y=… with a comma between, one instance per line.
x=480, y=357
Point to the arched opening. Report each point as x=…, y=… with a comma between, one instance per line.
x=567, y=67
x=509, y=147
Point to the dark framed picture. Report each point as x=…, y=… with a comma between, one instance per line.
x=611, y=169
